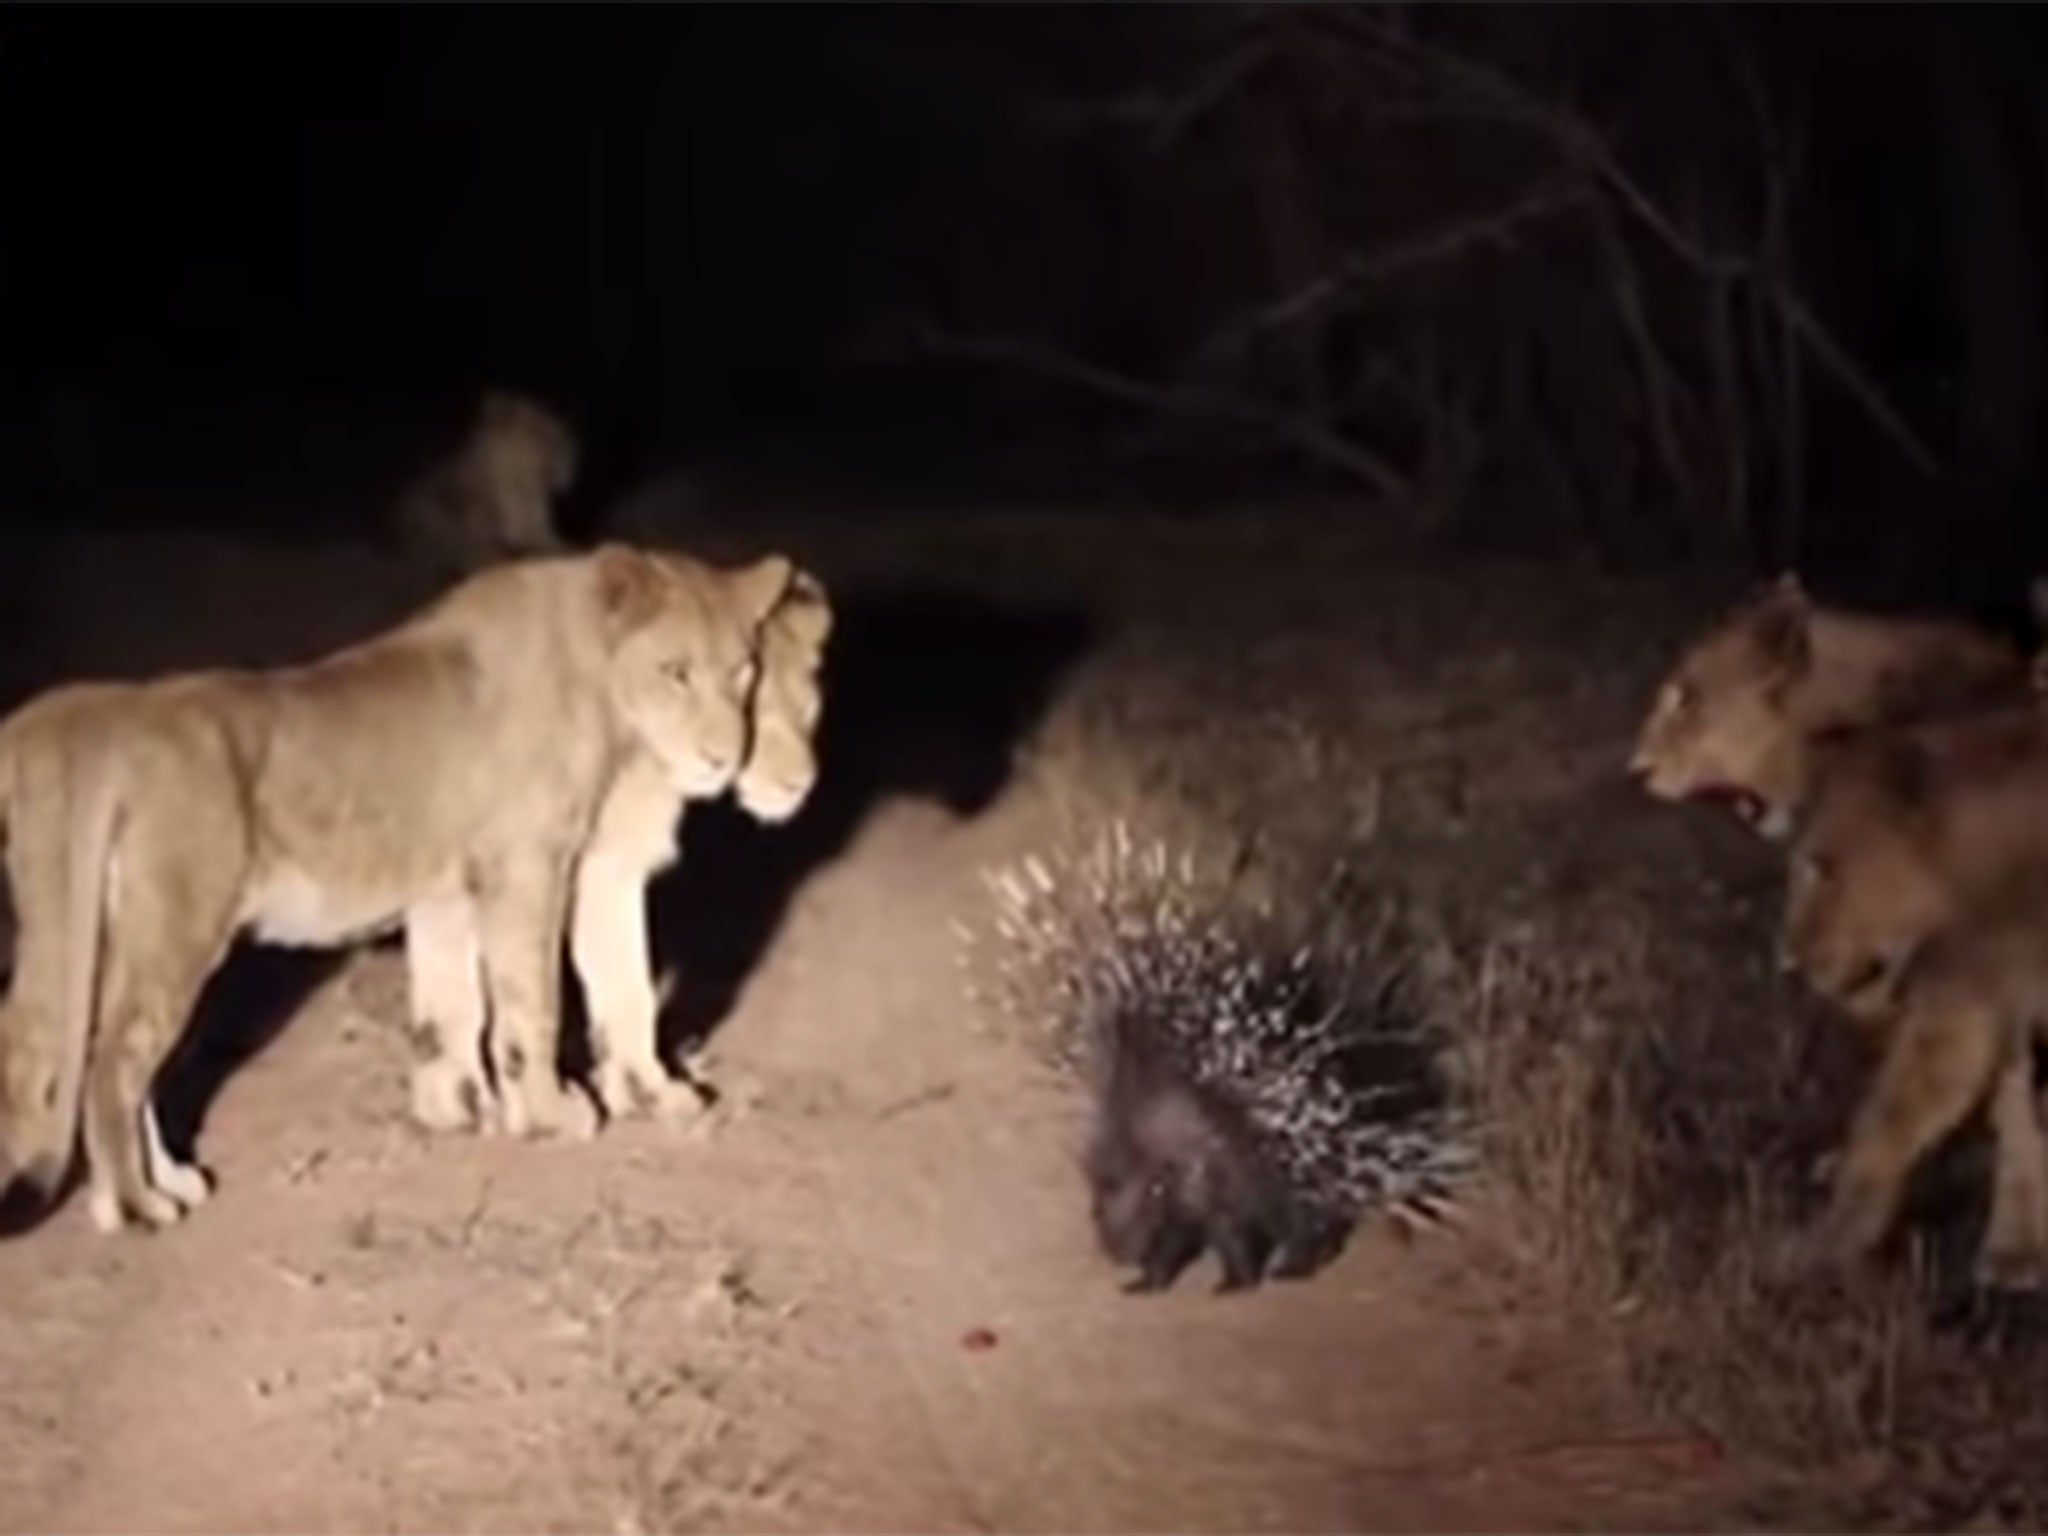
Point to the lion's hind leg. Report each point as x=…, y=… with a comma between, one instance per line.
x=2014, y=1253
x=176, y=916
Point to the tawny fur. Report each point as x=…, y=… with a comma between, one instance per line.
x=634, y=838
x=493, y=498
x=1738, y=714
x=1916, y=898
x=1958, y=1038
x=446, y=775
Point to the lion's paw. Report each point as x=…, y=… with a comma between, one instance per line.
x=1808, y=1256
x=451, y=1095
x=186, y=1183
x=628, y=1087
x=148, y=1208
x=2013, y=1267
x=547, y=1106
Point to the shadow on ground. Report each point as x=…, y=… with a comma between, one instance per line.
x=246, y=1005
x=927, y=693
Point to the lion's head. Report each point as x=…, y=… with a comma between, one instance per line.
x=526, y=442
x=782, y=763
x=1724, y=723
x=1864, y=887
x=683, y=655
x=520, y=457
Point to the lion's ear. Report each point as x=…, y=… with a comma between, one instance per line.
x=1782, y=624
x=629, y=586
x=759, y=587
x=805, y=615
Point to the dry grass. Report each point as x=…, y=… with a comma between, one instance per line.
x=1658, y=1128
x=1652, y=1100
x=1659, y=1137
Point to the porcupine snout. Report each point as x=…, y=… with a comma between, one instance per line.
x=1136, y=1200
x=1170, y=1175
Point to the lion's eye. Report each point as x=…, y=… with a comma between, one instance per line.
x=677, y=672
x=1680, y=696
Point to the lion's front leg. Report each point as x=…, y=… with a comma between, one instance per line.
x=2014, y=1252
x=1942, y=1058
x=445, y=1001
x=521, y=902
x=608, y=942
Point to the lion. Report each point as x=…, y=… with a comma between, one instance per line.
x=1917, y=901
x=633, y=840
x=1736, y=716
x=493, y=499
x=446, y=774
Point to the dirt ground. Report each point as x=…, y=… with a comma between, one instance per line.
x=860, y=1293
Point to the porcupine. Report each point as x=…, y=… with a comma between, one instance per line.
x=1255, y=1108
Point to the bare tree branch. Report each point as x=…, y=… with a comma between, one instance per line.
x=1447, y=243
x=1852, y=378
x=1174, y=118
x=1309, y=437
x=1579, y=140
x=1167, y=115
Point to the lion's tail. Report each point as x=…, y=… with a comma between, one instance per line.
x=59, y=816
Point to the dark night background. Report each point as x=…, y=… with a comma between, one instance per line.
x=251, y=249
x=1293, y=438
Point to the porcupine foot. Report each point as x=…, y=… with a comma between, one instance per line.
x=1173, y=1248
x=1242, y=1252
x=1306, y=1248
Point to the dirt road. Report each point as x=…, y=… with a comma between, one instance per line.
x=859, y=1295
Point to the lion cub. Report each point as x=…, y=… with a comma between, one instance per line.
x=445, y=774
x=1918, y=900
x=493, y=498
x=1737, y=714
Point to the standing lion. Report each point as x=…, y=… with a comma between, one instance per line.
x=445, y=775
x=634, y=837
x=493, y=498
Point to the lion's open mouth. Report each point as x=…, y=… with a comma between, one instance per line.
x=1867, y=983
x=1745, y=803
